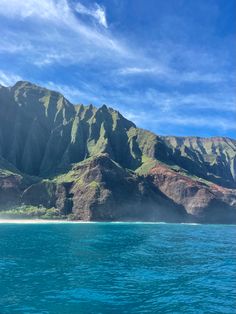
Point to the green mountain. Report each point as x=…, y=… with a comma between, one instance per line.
x=91, y=163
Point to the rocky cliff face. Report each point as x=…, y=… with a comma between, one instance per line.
x=202, y=200
x=94, y=164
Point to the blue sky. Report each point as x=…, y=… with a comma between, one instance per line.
x=169, y=66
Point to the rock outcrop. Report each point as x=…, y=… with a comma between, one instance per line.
x=201, y=200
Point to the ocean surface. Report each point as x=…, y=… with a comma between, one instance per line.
x=117, y=268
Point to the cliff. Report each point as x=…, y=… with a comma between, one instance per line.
x=93, y=164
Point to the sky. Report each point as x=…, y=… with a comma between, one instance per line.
x=169, y=66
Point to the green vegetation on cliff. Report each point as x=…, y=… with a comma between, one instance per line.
x=31, y=212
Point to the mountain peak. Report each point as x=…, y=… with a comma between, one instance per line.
x=24, y=84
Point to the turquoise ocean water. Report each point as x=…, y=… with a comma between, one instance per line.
x=117, y=268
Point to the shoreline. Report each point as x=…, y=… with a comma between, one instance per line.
x=63, y=221
x=40, y=221
x=58, y=221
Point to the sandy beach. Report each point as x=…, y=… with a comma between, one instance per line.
x=51, y=221
x=39, y=221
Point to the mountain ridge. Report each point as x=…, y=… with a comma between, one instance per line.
x=44, y=136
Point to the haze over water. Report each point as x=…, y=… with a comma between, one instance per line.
x=117, y=268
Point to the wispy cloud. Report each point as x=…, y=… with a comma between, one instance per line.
x=157, y=70
x=8, y=79
x=173, y=76
x=53, y=33
x=44, y=9
x=97, y=12
x=74, y=94
x=163, y=122
x=172, y=101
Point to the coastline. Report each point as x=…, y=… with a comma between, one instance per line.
x=61, y=221
x=39, y=221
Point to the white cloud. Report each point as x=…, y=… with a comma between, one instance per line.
x=201, y=77
x=53, y=33
x=7, y=45
x=97, y=12
x=142, y=70
x=149, y=121
x=173, y=76
x=8, y=79
x=101, y=15
x=75, y=95
x=198, y=121
x=43, y=9
x=173, y=101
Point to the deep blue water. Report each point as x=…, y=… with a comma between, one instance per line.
x=117, y=268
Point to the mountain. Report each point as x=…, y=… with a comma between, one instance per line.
x=93, y=164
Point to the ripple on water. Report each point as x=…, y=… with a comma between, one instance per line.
x=117, y=268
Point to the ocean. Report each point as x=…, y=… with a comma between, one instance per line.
x=117, y=268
